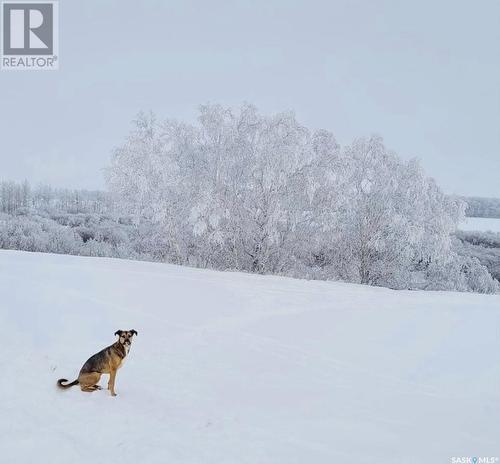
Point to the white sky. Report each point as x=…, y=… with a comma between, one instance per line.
x=425, y=75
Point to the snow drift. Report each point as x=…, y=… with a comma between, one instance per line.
x=236, y=368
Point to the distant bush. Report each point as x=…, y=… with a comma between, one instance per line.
x=462, y=273
x=37, y=234
x=55, y=235
x=482, y=207
x=485, y=246
x=484, y=239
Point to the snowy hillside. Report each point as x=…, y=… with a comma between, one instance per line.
x=235, y=368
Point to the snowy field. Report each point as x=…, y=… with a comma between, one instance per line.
x=481, y=224
x=234, y=368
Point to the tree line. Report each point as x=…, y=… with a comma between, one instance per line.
x=263, y=194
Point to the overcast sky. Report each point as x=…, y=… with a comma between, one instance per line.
x=423, y=74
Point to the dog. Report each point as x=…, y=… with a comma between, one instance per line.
x=107, y=361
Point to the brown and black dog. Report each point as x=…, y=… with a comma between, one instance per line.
x=107, y=361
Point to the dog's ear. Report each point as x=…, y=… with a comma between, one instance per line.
x=133, y=332
x=119, y=333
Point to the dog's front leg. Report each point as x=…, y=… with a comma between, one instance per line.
x=111, y=383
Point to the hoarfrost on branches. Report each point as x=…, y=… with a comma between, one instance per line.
x=243, y=191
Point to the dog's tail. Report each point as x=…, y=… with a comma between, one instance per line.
x=60, y=383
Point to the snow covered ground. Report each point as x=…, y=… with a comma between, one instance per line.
x=481, y=224
x=234, y=368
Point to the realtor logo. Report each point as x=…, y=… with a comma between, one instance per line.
x=30, y=35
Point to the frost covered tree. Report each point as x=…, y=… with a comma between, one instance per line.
x=228, y=193
x=386, y=219
x=239, y=190
x=254, y=190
